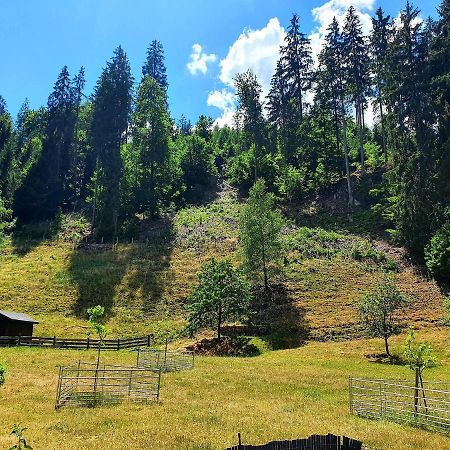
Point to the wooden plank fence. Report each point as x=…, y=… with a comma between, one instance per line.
x=426, y=406
x=314, y=442
x=76, y=344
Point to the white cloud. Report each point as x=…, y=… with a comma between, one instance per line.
x=225, y=100
x=198, y=60
x=324, y=14
x=257, y=50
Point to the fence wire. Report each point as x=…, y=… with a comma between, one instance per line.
x=400, y=401
x=86, y=385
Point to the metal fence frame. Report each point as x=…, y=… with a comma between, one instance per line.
x=86, y=385
x=400, y=401
x=165, y=360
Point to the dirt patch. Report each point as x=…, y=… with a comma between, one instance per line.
x=226, y=346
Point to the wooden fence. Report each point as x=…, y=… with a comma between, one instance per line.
x=315, y=442
x=80, y=344
x=86, y=385
x=400, y=401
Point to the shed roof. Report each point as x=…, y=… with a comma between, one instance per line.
x=19, y=317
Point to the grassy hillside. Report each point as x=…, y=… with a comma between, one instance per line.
x=278, y=395
x=143, y=285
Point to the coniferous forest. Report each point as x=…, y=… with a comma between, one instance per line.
x=117, y=156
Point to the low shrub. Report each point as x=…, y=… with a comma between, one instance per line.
x=437, y=253
x=2, y=373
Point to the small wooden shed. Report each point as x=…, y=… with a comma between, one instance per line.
x=16, y=324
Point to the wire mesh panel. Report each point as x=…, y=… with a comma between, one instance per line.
x=85, y=384
x=426, y=406
x=165, y=360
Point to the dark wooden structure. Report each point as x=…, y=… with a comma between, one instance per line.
x=16, y=324
x=314, y=442
x=76, y=344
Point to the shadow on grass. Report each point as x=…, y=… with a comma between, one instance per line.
x=27, y=237
x=383, y=358
x=98, y=271
x=276, y=319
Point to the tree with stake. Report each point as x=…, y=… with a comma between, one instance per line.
x=260, y=229
x=419, y=356
x=378, y=306
x=95, y=314
x=221, y=295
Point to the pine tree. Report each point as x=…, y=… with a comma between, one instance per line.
x=151, y=136
x=249, y=117
x=440, y=67
x=110, y=120
x=333, y=88
x=379, y=40
x=154, y=65
x=411, y=120
x=298, y=64
x=356, y=61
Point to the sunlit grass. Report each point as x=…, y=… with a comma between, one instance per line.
x=278, y=395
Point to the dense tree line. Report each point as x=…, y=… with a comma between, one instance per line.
x=119, y=156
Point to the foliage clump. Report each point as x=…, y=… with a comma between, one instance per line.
x=21, y=444
x=437, y=253
x=378, y=308
x=222, y=295
x=3, y=371
x=260, y=228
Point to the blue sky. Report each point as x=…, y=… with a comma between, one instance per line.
x=38, y=37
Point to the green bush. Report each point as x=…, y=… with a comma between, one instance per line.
x=2, y=374
x=437, y=253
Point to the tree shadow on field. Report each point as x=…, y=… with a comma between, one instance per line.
x=27, y=237
x=129, y=275
x=277, y=319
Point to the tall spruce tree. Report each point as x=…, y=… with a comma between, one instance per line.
x=440, y=67
x=411, y=122
x=249, y=114
x=333, y=80
x=356, y=62
x=379, y=41
x=154, y=65
x=298, y=64
x=151, y=136
x=110, y=120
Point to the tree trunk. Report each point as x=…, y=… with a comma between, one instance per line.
x=383, y=134
x=416, y=394
x=361, y=138
x=386, y=346
x=219, y=322
x=347, y=164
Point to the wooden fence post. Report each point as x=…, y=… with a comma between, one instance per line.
x=54, y=341
x=87, y=343
x=19, y=340
x=148, y=340
x=118, y=343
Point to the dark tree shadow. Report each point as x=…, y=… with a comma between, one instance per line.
x=27, y=237
x=275, y=318
x=97, y=270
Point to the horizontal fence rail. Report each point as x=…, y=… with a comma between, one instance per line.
x=400, y=401
x=165, y=360
x=73, y=343
x=86, y=385
x=315, y=442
